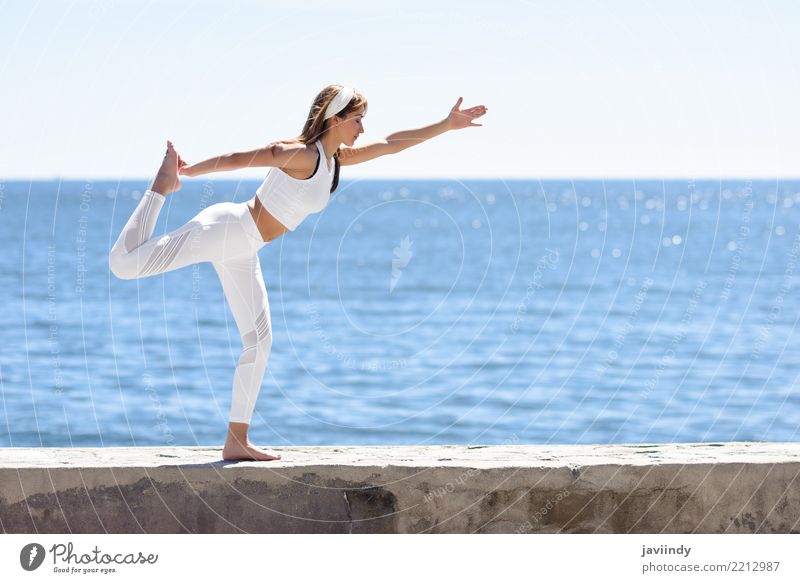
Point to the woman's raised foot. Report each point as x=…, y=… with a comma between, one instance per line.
x=167, y=180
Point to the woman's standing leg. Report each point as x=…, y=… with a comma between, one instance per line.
x=243, y=285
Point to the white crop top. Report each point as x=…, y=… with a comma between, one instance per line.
x=290, y=200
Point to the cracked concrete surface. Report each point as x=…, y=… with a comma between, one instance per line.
x=646, y=488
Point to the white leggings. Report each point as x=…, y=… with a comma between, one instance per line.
x=226, y=235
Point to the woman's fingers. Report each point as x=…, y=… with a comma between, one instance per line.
x=462, y=118
x=476, y=111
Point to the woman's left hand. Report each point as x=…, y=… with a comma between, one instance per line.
x=462, y=118
x=184, y=169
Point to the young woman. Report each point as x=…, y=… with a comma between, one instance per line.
x=304, y=172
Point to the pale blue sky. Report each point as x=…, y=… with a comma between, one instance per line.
x=574, y=89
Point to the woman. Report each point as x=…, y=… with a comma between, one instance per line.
x=304, y=172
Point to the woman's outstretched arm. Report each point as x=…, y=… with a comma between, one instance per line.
x=216, y=164
x=399, y=141
x=275, y=154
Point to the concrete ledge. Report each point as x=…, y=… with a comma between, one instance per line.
x=675, y=488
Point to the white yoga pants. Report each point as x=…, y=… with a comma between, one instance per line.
x=226, y=235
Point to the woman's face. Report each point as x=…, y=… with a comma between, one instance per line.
x=351, y=126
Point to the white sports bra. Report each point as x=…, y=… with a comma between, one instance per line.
x=290, y=200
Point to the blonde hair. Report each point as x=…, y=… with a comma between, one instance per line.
x=316, y=125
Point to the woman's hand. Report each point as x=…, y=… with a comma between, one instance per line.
x=184, y=168
x=462, y=118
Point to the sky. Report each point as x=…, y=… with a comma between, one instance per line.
x=589, y=89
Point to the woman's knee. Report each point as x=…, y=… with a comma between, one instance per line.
x=126, y=265
x=264, y=344
x=119, y=265
x=256, y=345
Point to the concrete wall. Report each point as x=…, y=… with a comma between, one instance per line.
x=676, y=488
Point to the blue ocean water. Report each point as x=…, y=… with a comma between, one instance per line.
x=416, y=312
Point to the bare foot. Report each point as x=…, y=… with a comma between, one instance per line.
x=167, y=179
x=237, y=451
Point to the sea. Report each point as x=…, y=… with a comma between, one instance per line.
x=416, y=312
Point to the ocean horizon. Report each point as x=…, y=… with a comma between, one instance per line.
x=430, y=311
